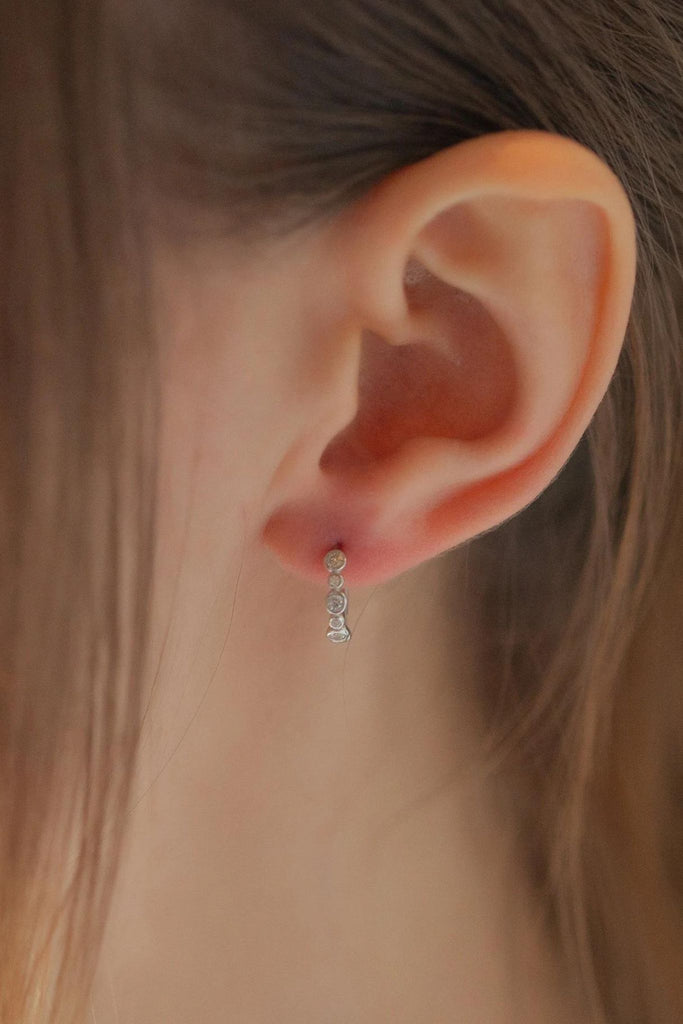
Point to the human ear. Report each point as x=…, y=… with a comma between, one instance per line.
x=483, y=295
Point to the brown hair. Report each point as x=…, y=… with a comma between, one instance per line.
x=256, y=117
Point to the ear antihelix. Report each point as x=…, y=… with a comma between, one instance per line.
x=451, y=375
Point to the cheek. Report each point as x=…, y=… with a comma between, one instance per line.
x=216, y=354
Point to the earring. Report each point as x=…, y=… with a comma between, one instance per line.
x=337, y=600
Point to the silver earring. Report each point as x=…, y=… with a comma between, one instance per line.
x=337, y=600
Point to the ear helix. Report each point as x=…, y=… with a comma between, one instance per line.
x=337, y=600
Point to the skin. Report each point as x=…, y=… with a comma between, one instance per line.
x=317, y=835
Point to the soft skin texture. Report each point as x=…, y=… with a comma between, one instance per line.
x=315, y=837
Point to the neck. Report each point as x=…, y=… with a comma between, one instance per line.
x=322, y=842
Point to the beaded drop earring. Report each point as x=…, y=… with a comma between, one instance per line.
x=337, y=600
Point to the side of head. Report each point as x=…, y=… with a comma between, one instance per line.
x=464, y=221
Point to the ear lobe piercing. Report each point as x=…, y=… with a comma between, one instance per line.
x=337, y=600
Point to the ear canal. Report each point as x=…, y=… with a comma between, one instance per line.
x=453, y=377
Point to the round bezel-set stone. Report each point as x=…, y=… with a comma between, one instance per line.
x=336, y=581
x=336, y=602
x=335, y=560
x=337, y=622
x=338, y=636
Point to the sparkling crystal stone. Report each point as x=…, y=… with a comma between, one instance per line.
x=338, y=636
x=337, y=622
x=336, y=602
x=336, y=581
x=335, y=560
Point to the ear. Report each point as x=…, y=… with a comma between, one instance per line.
x=483, y=295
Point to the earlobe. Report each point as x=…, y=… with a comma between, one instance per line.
x=490, y=288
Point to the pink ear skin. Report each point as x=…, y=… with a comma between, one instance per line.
x=482, y=298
